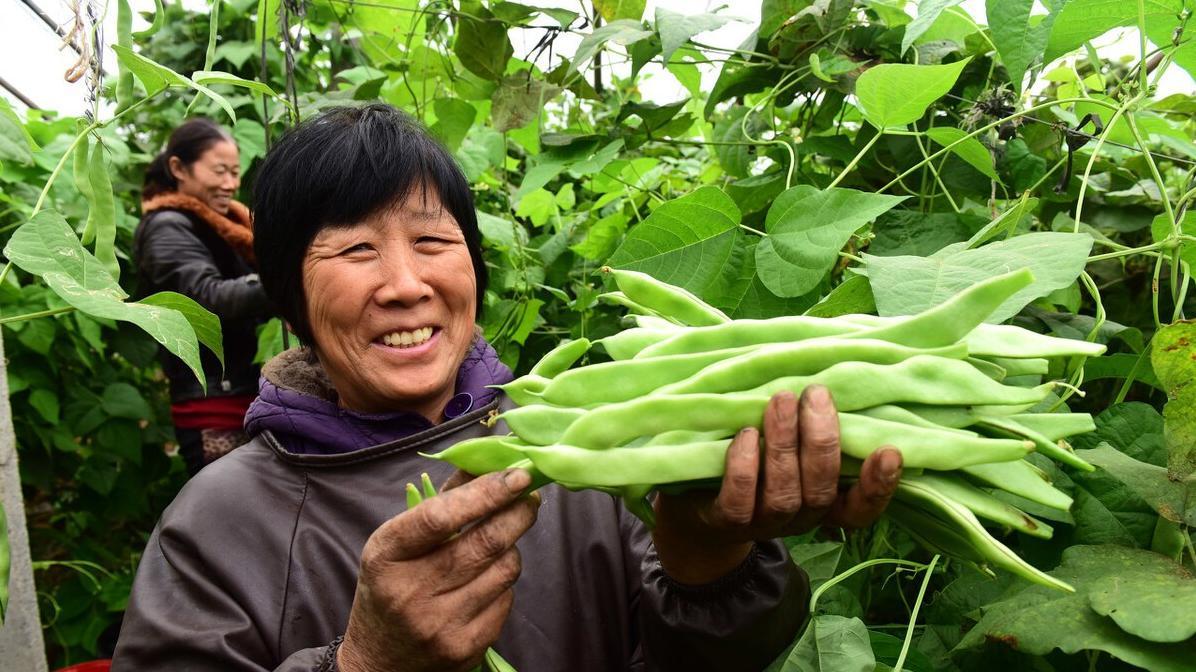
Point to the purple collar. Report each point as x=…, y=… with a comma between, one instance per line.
x=296, y=403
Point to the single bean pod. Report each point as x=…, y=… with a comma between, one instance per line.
x=482, y=455
x=920, y=379
x=630, y=378
x=1055, y=426
x=1030, y=366
x=616, y=424
x=667, y=300
x=630, y=342
x=1000, y=340
x=747, y=332
x=1019, y=477
x=621, y=299
x=1007, y=427
x=766, y=363
x=982, y=503
x=935, y=534
x=992, y=550
x=526, y=390
x=617, y=467
x=541, y=425
x=896, y=413
x=560, y=358
x=952, y=320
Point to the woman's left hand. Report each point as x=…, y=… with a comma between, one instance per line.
x=790, y=487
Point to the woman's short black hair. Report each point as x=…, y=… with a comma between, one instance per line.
x=188, y=142
x=337, y=169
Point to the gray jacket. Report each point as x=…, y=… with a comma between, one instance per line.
x=254, y=567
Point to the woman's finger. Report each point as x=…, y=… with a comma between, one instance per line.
x=736, y=502
x=863, y=503
x=818, y=432
x=780, y=496
x=456, y=480
x=423, y=528
x=471, y=553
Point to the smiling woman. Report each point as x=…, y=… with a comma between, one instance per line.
x=369, y=246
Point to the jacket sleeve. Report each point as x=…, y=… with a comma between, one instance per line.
x=183, y=615
x=171, y=256
x=741, y=622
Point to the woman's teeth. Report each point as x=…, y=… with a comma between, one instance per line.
x=407, y=339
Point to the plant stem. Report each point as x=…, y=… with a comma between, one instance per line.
x=32, y=316
x=913, y=617
x=758, y=232
x=867, y=146
x=1124, y=253
x=1100, y=142
x=836, y=580
x=4, y=273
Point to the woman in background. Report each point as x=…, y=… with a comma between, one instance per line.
x=195, y=239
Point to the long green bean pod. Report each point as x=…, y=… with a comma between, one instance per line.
x=981, y=503
x=630, y=342
x=1020, y=478
x=482, y=455
x=922, y=379
x=1007, y=427
x=616, y=467
x=560, y=358
x=748, y=332
x=101, y=218
x=526, y=390
x=1029, y=366
x=542, y=424
x=768, y=362
x=936, y=534
x=992, y=550
x=665, y=299
x=124, y=37
x=1001, y=340
x=630, y=378
x=1055, y=426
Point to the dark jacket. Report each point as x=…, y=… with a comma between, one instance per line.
x=177, y=252
x=254, y=567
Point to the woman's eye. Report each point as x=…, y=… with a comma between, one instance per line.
x=432, y=239
x=359, y=247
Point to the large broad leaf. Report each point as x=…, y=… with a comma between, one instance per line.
x=1171, y=499
x=1158, y=605
x=14, y=143
x=832, y=644
x=1019, y=40
x=968, y=149
x=928, y=12
x=685, y=242
x=912, y=232
x=906, y=285
x=47, y=247
x=482, y=43
x=613, y=10
x=454, y=117
x=807, y=227
x=894, y=94
x=203, y=321
x=1173, y=356
x=1037, y=620
x=1082, y=20
x=623, y=31
x=210, y=77
x=739, y=292
x=518, y=100
x=675, y=29
x=153, y=77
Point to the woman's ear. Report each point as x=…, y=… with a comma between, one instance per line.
x=177, y=169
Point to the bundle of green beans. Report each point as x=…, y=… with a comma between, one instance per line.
x=952, y=392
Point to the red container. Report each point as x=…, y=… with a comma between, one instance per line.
x=90, y=666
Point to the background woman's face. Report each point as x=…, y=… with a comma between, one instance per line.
x=214, y=177
x=391, y=303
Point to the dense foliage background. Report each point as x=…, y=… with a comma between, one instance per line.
x=916, y=159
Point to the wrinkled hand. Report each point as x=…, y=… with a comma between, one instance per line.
x=435, y=584
x=790, y=487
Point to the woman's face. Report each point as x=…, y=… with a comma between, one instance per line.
x=213, y=178
x=391, y=303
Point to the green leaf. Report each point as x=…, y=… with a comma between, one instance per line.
x=45, y=402
x=1160, y=230
x=1082, y=20
x=501, y=232
x=269, y=341
x=235, y=52
x=210, y=77
x=14, y=143
x=1175, y=501
x=676, y=29
x=613, y=10
x=1173, y=356
x=454, y=117
x=853, y=295
x=1019, y=41
x=204, y=322
x=832, y=644
x=623, y=31
x=518, y=100
x=482, y=43
x=251, y=141
x=684, y=242
x=47, y=247
x=1037, y=620
x=602, y=237
x=539, y=206
x=906, y=285
x=893, y=95
x=970, y=150
x=918, y=233
x=818, y=560
x=1158, y=605
x=153, y=76
x=928, y=13
x=807, y=228
x=122, y=400
x=740, y=293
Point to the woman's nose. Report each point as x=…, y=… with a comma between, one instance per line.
x=402, y=281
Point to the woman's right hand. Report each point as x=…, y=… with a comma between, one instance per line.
x=429, y=600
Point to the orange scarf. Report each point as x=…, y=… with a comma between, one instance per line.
x=235, y=228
